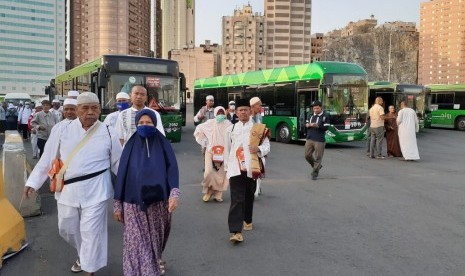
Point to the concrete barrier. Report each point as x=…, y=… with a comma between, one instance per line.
x=15, y=175
x=12, y=228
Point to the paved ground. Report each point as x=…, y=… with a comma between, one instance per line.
x=362, y=217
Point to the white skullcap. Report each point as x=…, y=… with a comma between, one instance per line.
x=210, y=97
x=21, y=102
x=232, y=103
x=38, y=105
x=73, y=93
x=87, y=97
x=56, y=101
x=254, y=100
x=10, y=105
x=215, y=111
x=122, y=95
x=70, y=101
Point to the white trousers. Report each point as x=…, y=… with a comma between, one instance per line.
x=86, y=230
x=35, y=148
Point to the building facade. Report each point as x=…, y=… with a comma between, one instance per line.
x=178, y=25
x=244, y=42
x=198, y=62
x=288, y=37
x=318, y=50
x=32, y=49
x=442, y=42
x=108, y=27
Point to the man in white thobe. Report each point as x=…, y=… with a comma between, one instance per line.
x=407, y=122
x=82, y=204
x=56, y=109
x=126, y=122
x=122, y=103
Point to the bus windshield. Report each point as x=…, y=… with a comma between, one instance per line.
x=162, y=91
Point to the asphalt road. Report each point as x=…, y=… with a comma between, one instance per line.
x=361, y=217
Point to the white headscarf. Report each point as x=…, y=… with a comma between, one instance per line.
x=215, y=111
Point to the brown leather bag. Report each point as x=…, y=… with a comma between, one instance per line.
x=56, y=180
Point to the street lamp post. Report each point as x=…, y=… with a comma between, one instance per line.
x=389, y=57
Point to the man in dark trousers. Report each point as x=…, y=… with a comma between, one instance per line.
x=315, y=145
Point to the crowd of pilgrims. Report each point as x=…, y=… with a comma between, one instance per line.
x=128, y=158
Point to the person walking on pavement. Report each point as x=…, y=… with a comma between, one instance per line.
x=43, y=122
x=23, y=117
x=35, y=148
x=239, y=155
x=315, y=144
x=125, y=124
x=122, y=103
x=407, y=121
x=377, y=128
x=211, y=135
x=82, y=203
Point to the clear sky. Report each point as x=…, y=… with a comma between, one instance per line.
x=327, y=15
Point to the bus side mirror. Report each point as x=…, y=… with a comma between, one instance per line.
x=182, y=82
x=329, y=92
x=102, y=80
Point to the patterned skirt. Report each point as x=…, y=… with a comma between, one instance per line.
x=145, y=237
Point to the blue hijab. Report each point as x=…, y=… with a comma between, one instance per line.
x=148, y=169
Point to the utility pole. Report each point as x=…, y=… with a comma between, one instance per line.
x=389, y=56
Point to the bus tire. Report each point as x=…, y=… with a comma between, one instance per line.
x=460, y=123
x=283, y=133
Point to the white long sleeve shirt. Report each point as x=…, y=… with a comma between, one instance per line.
x=23, y=115
x=240, y=137
x=111, y=119
x=126, y=124
x=102, y=151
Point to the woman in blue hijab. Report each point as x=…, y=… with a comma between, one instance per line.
x=146, y=193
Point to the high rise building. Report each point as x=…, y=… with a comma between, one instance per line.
x=32, y=45
x=178, y=25
x=288, y=32
x=243, y=42
x=108, y=27
x=442, y=42
x=198, y=62
x=156, y=28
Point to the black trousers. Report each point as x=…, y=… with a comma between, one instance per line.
x=25, y=130
x=242, y=197
x=2, y=126
x=41, y=145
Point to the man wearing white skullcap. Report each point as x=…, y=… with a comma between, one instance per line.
x=83, y=200
x=73, y=94
x=23, y=116
x=256, y=109
x=206, y=112
x=122, y=103
x=56, y=109
x=35, y=149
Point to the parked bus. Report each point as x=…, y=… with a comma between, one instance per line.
x=110, y=74
x=416, y=97
x=286, y=94
x=448, y=106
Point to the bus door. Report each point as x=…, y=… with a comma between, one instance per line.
x=388, y=99
x=305, y=98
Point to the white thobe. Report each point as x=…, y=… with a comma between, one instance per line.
x=126, y=124
x=111, y=118
x=57, y=112
x=82, y=205
x=407, y=122
x=238, y=135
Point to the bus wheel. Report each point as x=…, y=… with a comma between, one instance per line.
x=460, y=123
x=284, y=133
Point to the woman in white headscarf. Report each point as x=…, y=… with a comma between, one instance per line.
x=211, y=135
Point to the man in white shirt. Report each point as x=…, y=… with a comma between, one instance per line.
x=238, y=151
x=57, y=110
x=82, y=204
x=122, y=103
x=73, y=94
x=125, y=124
x=23, y=117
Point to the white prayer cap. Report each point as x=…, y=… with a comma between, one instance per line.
x=56, y=101
x=21, y=102
x=218, y=108
x=254, y=101
x=10, y=105
x=87, y=97
x=232, y=103
x=70, y=101
x=210, y=97
x=38, y=105
x=122, y=95
x=73, y=93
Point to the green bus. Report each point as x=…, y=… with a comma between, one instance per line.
x=286, y=94
x=416, y=97
x=448, y=106
x=110, y=74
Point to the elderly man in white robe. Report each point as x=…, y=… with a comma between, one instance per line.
x=211, y=135
x=407, y=122
x=82, y=203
